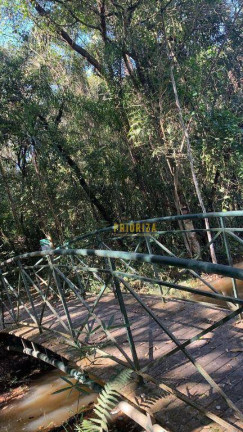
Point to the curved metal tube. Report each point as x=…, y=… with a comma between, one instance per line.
x=161, y=260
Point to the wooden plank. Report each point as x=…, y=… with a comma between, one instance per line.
x=184, y=320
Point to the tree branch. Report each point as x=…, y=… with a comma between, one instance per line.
x=80, y=50
x=58, y=147
x=102, y=19
x=76, y=47
x=165, y=6
x=59, y=115
x=91, y=26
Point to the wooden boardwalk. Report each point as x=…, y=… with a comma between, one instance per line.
x=219, y=352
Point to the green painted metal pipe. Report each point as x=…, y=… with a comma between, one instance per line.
x=238, y=213
x=191, y=264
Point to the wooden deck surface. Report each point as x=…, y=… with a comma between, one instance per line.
x=219, y=352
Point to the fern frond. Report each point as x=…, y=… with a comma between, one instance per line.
x=106, y=401
x=87, y=426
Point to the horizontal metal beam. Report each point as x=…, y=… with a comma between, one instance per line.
x=191, y=264
x=194, y=216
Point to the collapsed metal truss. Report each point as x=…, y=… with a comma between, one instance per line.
x=34, y=281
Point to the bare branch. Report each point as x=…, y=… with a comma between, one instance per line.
x=165, y=7
x=103, y=19
x=91, y=26
x=76, y=47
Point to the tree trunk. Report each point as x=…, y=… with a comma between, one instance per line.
x=75, y=168
x=46, y=195
x=92, y=198
x=188, y=144
x=17, y=221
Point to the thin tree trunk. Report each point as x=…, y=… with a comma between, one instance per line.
x=18, y=224
x=46, y=195
x=174, y=174
x=75, y=168
x=92, y=197
x=6, y=239
x=188, y=144
x=177, y=201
